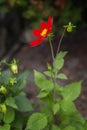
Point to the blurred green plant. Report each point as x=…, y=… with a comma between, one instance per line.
x=14, y=104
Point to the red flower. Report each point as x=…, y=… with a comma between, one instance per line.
x=45, y=29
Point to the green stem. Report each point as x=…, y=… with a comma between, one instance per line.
x=52, y=52
x=60, y=41
x=53, y=76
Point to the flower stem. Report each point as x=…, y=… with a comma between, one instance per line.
x=53, y=75
x=52, y=52
x=60, y=41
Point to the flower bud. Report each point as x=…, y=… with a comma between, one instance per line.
x=12, y=81
x=14, y=67
x=69, y=27
x=3, y=90
x=3, y=108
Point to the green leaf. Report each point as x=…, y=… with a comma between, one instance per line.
x=48, y=73
x=48, y=113
x=59, y=61
x=39, y=79
x=72, y=91
x=86, y=125
x=43, y=94
x=56, y=108
x=37, y=121
x=68, y=107
x=43, y=83
x=9, y=116
x=21, y=81
x=73, y=119
x=61, y=76
x=55, y=127
x=11, y=102
x=5, y=77
x=69, y=128
x=18, y=122
x=58, y=88
x=23, y=104
x=5, y=127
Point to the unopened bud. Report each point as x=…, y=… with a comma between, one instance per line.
x=13, y=81
x=69, y=27
x=3, y=90
x=14, y=67
x=3, y=108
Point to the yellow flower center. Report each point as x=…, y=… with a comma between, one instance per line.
x=43, y=33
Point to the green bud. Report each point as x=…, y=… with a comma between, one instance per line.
x=49, y=67
x=14, y=67
x=3, y=90
x=3, y=108
x=13, y=81
x=69, y=27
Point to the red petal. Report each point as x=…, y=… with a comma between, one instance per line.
x=36, y=32
x=36, y=42
x=43, y=25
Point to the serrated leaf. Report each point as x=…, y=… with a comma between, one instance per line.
x=23, y=104
x=9, y=116
x=56, y=108
x=61, y=76
x=37, y=121
x=59, y=61
x=5, y=127
x=11, y=102
x=72, y=91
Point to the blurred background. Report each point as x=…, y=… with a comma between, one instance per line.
x=19, y=17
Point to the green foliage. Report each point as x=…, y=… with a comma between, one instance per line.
x=86, y=125
x=9, y=116
x=5, y=127
x=59, y=61
x=57, y=102
x=13, y=100
x=37, y=121
x=56, y=108
x=23, y=104
x=72, y=91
